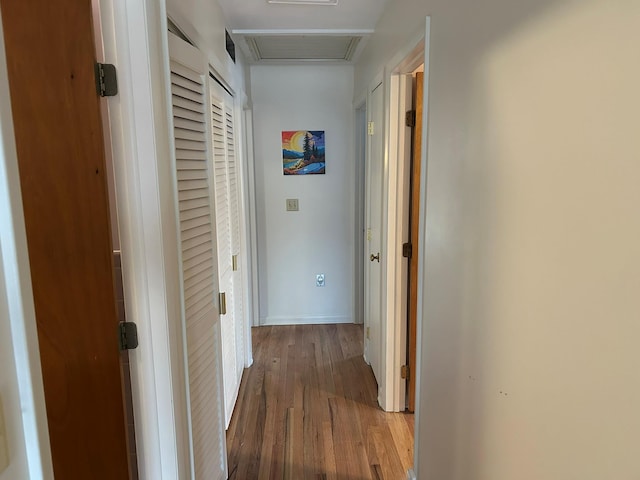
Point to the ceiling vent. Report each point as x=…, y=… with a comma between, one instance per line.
x=318, y=48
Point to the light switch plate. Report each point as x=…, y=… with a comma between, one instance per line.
x=4, y=447
x=292, y=204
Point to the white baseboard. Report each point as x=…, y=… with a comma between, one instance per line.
x=310, y=320
x=411, y=475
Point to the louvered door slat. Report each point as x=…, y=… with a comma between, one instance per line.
x=187, y=159
x=186, y=93
x=184, y=134
x=186, y=113
x=189, y=125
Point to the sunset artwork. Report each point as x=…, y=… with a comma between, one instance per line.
x=303, y=152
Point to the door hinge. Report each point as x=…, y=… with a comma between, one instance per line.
x=407, y=250
x=128, y=335
x=106, y=80
x=234, y=262
x=410, y=118
x=370, y=128
x=368, y=333
x=222, y=299
x=405, y=372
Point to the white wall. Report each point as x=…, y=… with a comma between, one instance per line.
x=203, y=22
x=295, y=246
x=10, y=396
x=529, y=353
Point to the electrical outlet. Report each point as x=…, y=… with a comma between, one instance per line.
x=292, y=204
x=320, y=280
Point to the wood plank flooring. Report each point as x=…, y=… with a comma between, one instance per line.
x=307, y=409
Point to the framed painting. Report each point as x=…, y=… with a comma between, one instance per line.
x=303, y=152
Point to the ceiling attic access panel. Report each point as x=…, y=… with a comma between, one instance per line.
x=335, y=48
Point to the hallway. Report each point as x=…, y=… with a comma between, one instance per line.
x=307, y=409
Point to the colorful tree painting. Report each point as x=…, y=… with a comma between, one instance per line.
x=303, y=152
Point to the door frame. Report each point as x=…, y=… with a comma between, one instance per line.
x=400, y=90
x=399, y=146
x=393, y=346
x=136, y=34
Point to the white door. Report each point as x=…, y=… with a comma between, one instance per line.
x=373, y=232
x=199, y=276
x=225, y=170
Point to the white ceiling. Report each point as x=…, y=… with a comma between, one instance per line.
x=255, y=19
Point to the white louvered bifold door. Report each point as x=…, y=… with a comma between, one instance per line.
x=199, y=280
x=234, y=213
x=227, y=226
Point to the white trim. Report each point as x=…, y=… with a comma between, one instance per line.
x=19, y=294
x=387, y=340
x=306, y=320
x=360, y=120
x=422, y=243
x=135, y=38
x=253, y=221
x=393, y=347
x=250, y=237
x=398, y=233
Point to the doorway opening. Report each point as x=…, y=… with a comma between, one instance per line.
x=405, y=134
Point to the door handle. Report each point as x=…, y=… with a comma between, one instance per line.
x=375, y=257
x=222, y=301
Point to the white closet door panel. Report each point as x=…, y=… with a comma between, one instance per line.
x=229, y=346
x=199, y=279
x=223, y=153
x=209, y=450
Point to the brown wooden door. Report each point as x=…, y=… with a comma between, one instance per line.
x=414, y=222
x=56, y=114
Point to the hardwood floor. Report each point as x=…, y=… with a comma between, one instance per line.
x=307, y=409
